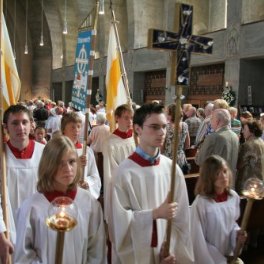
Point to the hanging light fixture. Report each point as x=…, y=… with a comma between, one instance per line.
x=41, y=36
x=101, y=7
x=26, y=45
x=65, y=29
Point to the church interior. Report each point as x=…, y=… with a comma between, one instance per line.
x=236, y=28
x=235, y=64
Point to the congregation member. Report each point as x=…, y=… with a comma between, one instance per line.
x=235, y=123
x=204, y=124
x=193, y=123
x=71, y=125
x=185, y=109
x=214, y=214
x=205, y=128
x=96, y=140
x=184, y=139
x=223, y=142
x=59, y=175
x=251, y=154
x=244, y=117
x=261, y=119
x=139, y=202
x=200, y=114
x=40, y=113
x=54, y=121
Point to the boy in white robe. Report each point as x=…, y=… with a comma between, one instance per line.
x=117, y=147
x=214, y=213
x=139, y=199
x=71, y=125
x=59, y=175
x=22, y=159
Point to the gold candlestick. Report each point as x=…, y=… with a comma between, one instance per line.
x=253, y=190
x=62, y=218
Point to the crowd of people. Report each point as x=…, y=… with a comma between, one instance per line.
x=120, y=182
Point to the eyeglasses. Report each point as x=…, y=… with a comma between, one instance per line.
x=156, y=127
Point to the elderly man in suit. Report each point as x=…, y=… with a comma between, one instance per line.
x=223, y=142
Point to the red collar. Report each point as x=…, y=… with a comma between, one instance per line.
x=122, y=134
x=221, y=197
x=52, y=195
x=31, y=136
x=25, y=153
x=78, y=145
x=142, y=162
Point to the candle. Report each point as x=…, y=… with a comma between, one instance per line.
x=226, y=84
x=61, y=222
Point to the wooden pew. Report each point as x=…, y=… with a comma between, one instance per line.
x=194, y=167
x=190, y=156
x=190, y=152
x=191, y=180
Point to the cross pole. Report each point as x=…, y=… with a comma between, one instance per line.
x=182, y=43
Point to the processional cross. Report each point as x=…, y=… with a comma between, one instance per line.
x=182, y=43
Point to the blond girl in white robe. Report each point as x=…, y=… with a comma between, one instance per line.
x=59, y=176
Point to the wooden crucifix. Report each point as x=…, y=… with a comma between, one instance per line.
x=182, y=43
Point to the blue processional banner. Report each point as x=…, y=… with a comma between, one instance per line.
x=81, y=68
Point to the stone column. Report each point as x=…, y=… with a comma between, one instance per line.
x=232, y=45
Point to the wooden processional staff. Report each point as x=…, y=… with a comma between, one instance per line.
x=182, y=43
x=123, y=69
x=2, y=148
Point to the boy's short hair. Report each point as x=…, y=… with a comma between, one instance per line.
x=123, y=108
x=71, y=117
x=14, y=109
x=146, y=110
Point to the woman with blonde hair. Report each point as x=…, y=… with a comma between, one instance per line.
x=59, y=175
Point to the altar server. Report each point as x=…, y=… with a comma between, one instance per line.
x=22, y=160
x=59, y=175
x=214, y=213
x=71, y=125
x=139, y=199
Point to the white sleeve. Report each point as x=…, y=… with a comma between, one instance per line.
x=92, y=175
x=181, y=243
x=96, y=251
x=24, y=251
x=131, y=229
x=203, y=251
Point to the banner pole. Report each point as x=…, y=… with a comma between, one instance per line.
x=2, y=148
x=89, y=83
x=123, y=69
